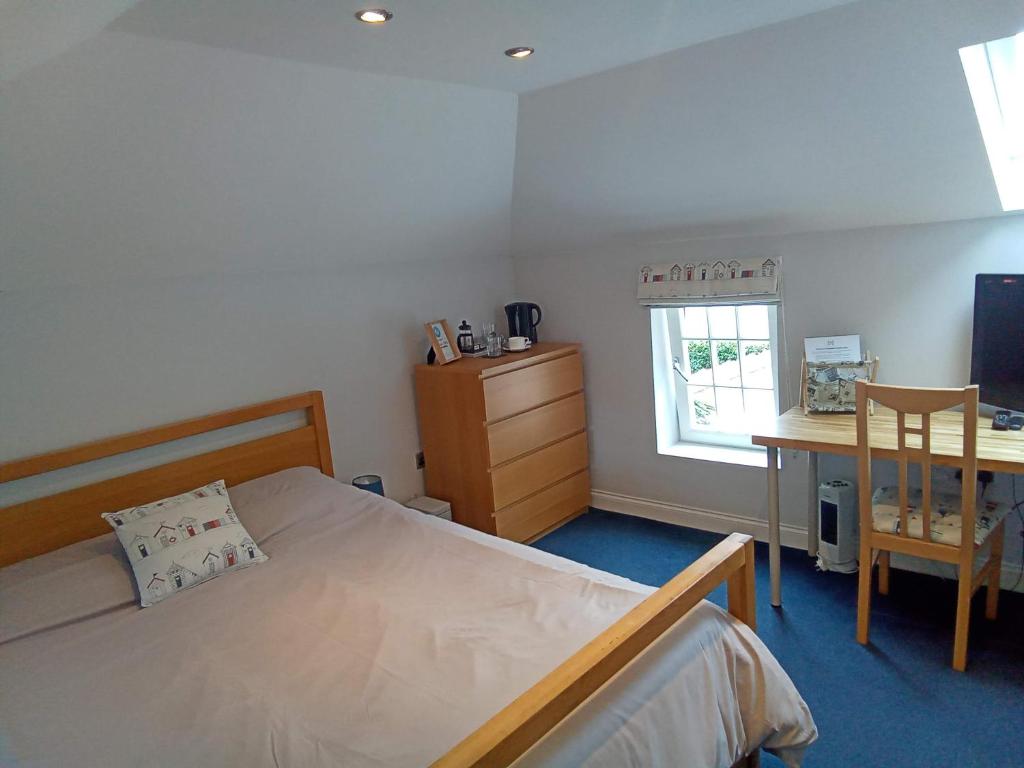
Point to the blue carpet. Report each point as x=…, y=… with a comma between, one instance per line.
x=895, y=702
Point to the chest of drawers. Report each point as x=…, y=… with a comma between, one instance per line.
x=505, y=439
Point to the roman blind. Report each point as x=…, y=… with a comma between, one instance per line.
x=736, y=281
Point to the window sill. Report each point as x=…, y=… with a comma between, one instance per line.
x=749, y=457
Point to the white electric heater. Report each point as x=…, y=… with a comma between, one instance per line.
x=837, y=526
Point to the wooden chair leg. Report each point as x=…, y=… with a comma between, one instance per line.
x=963, y=618
x=996, y=558
x=864, y=591
x=883, y=573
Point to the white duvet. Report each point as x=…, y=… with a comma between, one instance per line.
x=374, y=636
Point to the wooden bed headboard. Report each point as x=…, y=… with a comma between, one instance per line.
x=74, y=515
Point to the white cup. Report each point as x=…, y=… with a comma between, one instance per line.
x=517, y=343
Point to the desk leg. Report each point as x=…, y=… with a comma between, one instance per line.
x=774, y=541
x=812, y=503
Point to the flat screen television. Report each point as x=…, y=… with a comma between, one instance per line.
x=997, y=347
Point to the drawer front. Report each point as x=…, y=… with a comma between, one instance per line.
x=527, y=518
x=518, y=391
x=523, y=477
x=527, y=431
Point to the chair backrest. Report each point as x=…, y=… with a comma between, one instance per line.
x=921, y=402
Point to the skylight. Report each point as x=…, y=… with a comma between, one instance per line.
x=995, y=75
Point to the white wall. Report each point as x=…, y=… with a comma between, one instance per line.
x=184, y=229
x=908, y=290
x=835, y=123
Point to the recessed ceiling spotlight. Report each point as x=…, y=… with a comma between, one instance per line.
x=374, y=15
x=521, y=52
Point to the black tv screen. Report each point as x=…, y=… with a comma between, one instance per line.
x=997, y=348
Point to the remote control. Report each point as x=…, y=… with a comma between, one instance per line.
x=1001, y=421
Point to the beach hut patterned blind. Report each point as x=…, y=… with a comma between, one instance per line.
x=735, y=281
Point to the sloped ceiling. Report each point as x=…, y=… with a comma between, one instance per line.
x=858, y=116
x=35, y=31
x=461, y=41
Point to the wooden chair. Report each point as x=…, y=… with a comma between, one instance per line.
x=923, y=403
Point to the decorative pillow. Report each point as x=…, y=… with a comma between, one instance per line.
x=184, y=540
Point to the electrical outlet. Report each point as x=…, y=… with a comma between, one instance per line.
x=420, y=463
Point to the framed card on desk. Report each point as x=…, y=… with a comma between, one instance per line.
x=442, y=341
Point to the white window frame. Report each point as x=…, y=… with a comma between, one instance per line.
x=687, y=434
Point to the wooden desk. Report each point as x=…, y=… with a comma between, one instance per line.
x=837, y=433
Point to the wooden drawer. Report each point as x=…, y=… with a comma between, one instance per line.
x=523, y=433
x=510, y=393
x=523, y=477
x=527, y=518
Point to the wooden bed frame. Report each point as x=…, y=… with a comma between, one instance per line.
x=74, y=515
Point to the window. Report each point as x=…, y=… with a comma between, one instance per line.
x=724, y=360
x=995, y=76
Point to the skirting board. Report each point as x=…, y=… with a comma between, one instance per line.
x=692, y=517
x=722, y=522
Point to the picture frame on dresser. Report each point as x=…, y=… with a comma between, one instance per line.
x=442, y=341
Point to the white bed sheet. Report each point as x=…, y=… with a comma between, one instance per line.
x=374, y=636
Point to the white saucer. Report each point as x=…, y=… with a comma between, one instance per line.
x=506, y=347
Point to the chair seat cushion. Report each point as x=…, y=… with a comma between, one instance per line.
x=946, y=521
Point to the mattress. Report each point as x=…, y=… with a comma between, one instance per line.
x=374, y=636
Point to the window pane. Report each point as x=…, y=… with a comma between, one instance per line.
x=723, y=322
x=753, y=321
x=698, y=357
x=760, y=407
x=702, y=407
x=726, y=355
x=756, y=361
x=695, y=322
x=725, y=364
x=730, y=410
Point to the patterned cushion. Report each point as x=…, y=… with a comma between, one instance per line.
x=184, y=540
x=946, y=521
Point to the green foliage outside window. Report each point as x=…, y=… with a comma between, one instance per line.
x=727, y=352
x=700, y=353
x=704, y=412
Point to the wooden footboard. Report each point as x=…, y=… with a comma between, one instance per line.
x=524, y=722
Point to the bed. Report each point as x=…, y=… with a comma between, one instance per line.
x=373, y=636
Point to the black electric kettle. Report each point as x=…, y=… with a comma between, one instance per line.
x=521, y=321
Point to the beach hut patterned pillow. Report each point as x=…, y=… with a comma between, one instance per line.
x=184, y=540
